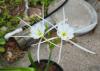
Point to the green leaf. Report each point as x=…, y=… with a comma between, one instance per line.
x=57, y=41
x=17, y=69
x=31, y=59
x=51, y=46
x=34, y=2
x=1, y=2
x=18, y=1
x=2, y=41
x=2, y=49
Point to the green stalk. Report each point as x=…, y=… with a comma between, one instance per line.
x=31, y=59
x=51, y=46
x=48, y=64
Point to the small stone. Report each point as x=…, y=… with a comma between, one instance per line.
x=34, y=11
x=4, y=28
x=13, y=52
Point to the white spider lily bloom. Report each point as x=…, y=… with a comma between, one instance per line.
x=64, y=31
x=37, y=31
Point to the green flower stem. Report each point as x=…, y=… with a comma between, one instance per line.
x=48, y=64
x=50, y=53
x=31, y=59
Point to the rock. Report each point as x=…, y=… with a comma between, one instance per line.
x=12, y=52
x=33, y=11
x=78, y=13
x=4, y=28
x=94, y=68
x=18, y=10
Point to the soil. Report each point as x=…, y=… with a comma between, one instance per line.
x=18, y=10
x=43, y=63
x=13, y=51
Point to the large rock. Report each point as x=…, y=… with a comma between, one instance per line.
x=79, y=13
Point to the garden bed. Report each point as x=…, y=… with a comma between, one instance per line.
x=9, y=13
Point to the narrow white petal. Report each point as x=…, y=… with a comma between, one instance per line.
x=60, y=51
x=64, y=14
x=45, y=20
x=38, y=51
x=43, y=10
x=24, y=22
x=50, y=29
x=26, y=7
x=51, y=42
x=39, y=27
x=21, y=36
x=45, y=41
x=81, y=47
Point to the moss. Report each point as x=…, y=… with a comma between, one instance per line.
x=8, y=21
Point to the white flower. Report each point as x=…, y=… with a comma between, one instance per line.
x=38, y=30
x=64, y=31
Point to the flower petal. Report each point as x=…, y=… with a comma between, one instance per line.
x=64, y=31
x=37, y=30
